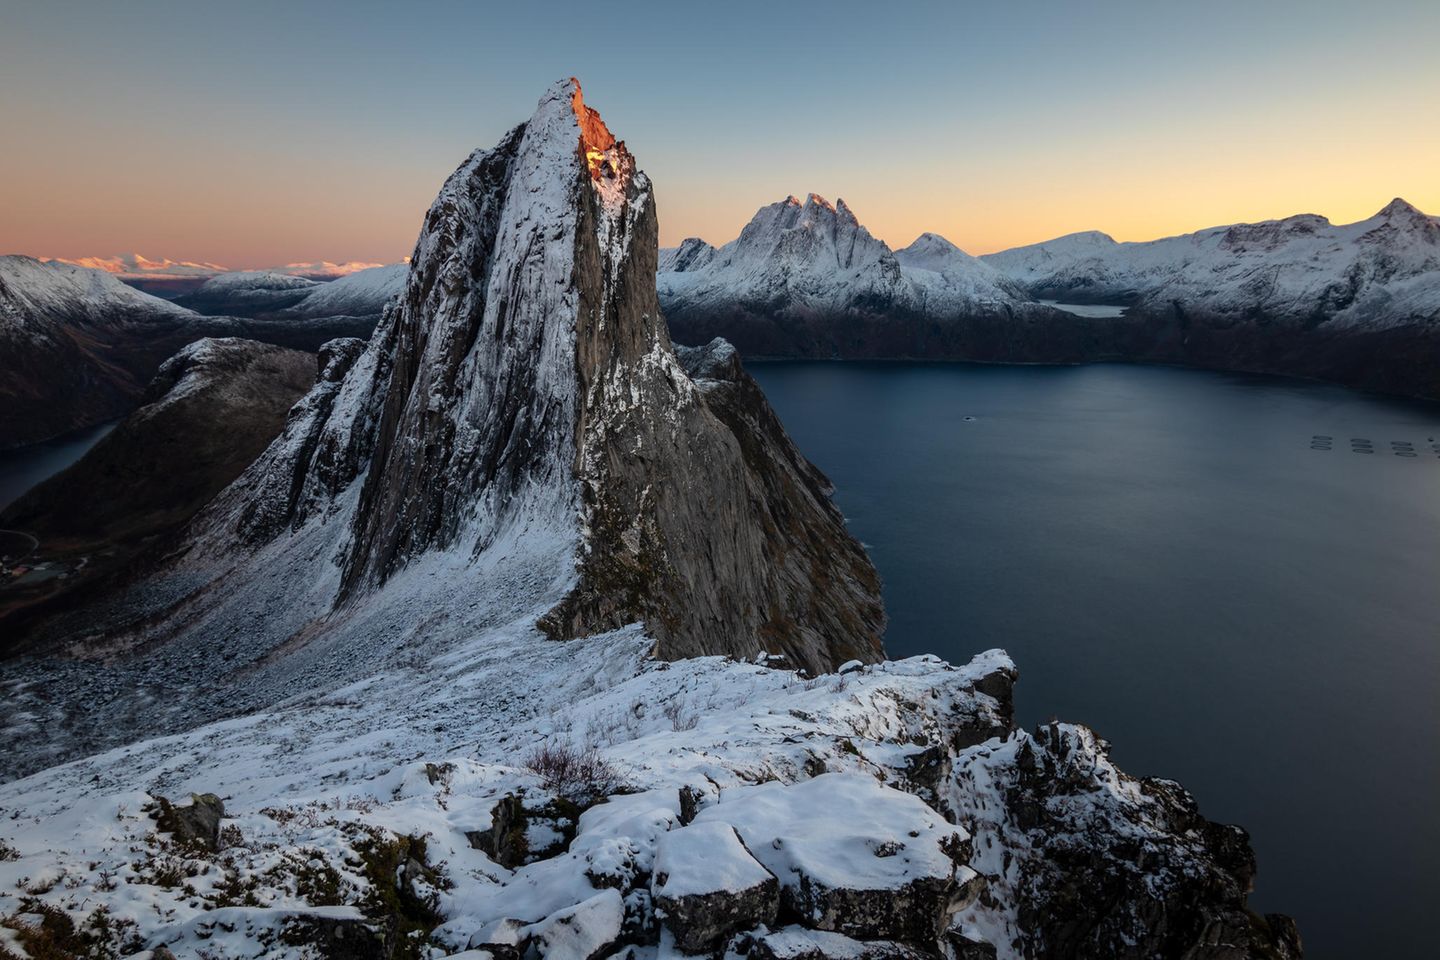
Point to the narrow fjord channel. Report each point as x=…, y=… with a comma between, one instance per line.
x=1235, y=579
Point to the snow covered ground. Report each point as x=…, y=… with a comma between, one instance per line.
x=429, y=751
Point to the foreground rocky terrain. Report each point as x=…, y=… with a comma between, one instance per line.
x=1358, y=304
x=79, y=347
x=342, y=725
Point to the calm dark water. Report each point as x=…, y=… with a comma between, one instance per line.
x=1169, y=561
x=24, y=468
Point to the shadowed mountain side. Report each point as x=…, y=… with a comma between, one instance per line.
x=208, y=413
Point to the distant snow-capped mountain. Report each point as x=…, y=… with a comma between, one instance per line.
x=807, y=279
x=363, y=293
x=1355, y=303
x=137, y=266
x=78, y=345
x=815, y=256
x=1383, y=271
x=264, y=293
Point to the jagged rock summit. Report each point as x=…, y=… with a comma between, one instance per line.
x=808, y=279
x=517, y=443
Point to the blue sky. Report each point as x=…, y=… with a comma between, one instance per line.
x=269, y=132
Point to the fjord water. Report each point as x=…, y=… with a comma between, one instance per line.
x=1172, y=558
x=24, y=468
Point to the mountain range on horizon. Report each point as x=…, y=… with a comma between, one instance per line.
x=134, y=266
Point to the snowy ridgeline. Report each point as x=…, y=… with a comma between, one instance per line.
x=310, y=789
x=817, y=255
x=1384, y=270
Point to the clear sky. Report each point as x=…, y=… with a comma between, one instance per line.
x=259, y=133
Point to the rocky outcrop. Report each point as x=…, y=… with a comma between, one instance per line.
x=707, y=887
x=195, y=824
x=1115, y=867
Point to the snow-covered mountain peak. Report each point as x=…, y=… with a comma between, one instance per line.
x=518, y=443
x=1399, y=208
x=31, y=287
x=692, y=254
x=930, y=251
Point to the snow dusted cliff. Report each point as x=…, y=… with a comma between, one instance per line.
x=373, y=746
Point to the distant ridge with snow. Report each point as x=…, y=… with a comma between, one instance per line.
x=1358, y=304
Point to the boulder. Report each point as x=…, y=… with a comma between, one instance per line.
x=797, y=943
x=708, y=887
x=581, y=932
x=852, y=855
x=196, y=824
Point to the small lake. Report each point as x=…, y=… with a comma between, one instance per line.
x=1235, y=579
x=23, y=468
x=1091, y=310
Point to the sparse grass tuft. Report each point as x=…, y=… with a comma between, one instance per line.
x=578, y=774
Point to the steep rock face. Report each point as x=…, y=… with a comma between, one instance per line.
x=521, y=424
x=530, y=376
x=808, y=280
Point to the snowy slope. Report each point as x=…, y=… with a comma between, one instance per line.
x=34, y=292
x=836, y=785
x=1379, y=272
x=359, y=294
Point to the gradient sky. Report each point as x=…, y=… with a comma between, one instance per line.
x=261, y=133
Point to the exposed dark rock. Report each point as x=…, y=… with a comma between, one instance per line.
x=1114, y=866
x=707, y=887
x=338, y=938
x=797, y=943
x=505, y=841
x=196, y=824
